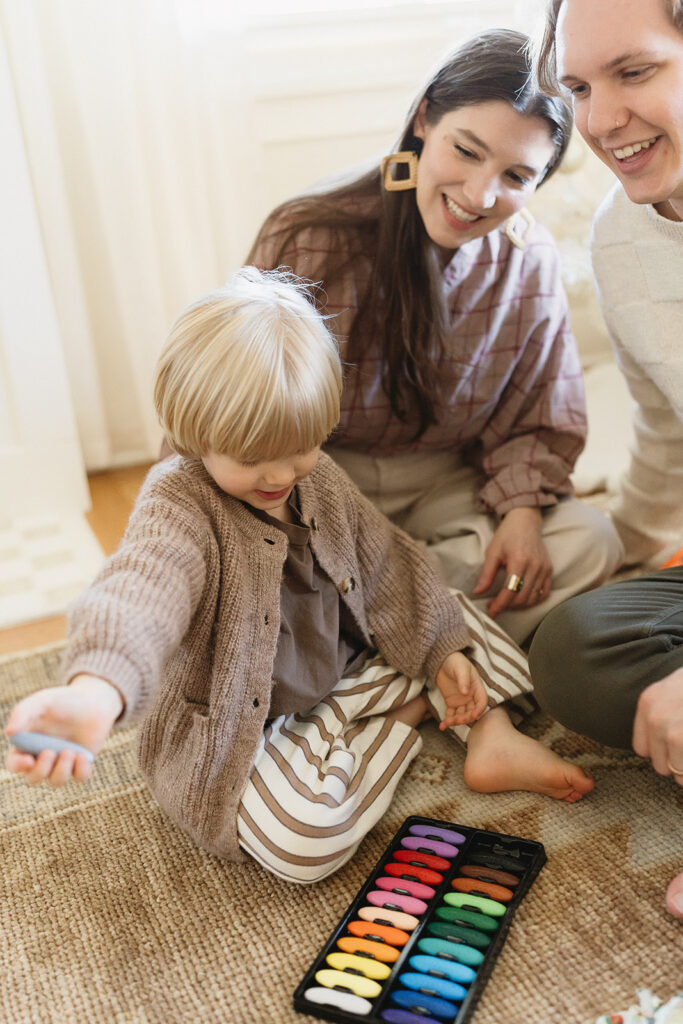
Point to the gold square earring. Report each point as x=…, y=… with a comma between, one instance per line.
x=519, y=233
x=392, y=184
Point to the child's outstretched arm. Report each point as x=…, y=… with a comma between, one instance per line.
x=83, y=712
x=461, y=689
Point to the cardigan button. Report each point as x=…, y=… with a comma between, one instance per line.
x=347, y=585
x=314, y=523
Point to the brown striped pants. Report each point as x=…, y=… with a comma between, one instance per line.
x=321, y=780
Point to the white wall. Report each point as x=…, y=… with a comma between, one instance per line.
x=321, y=92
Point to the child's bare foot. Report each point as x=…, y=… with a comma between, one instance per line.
x=674, y=897
x=500, y=758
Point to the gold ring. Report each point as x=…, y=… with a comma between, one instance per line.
x=514, y=582
x=674, y=771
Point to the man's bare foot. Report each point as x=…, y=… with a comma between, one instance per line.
x=674, y=897
x=500, y=758
x=412, y=713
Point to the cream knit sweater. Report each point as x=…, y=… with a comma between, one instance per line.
x=184, y=621
x=638, y=262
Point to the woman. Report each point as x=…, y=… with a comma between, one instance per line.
x=610, y=664
x=463, y=409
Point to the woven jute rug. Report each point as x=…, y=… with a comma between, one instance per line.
x=109, y=915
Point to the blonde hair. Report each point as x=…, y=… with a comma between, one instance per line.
x=250, y=371
x=543, y=49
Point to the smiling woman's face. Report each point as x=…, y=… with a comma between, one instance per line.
x=479, y=164
x=622, y=61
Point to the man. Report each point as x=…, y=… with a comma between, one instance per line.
x=609, y=663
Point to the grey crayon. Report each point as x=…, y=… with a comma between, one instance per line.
x=34, y=742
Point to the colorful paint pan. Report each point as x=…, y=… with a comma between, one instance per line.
x=346, y=1001
x=379, y=932
x=475, y=885
x=360, y=986
x=429, y=985
x=445, y=835
x=405, y=887
x=397, y=1016
x=359, y=965
x=396, y=901
x=460, y=899
x=393, y=918
x=419, y=941
x=428, y=860
x=459, y=933
x=413, y=873
x=420, y=1003
x=489, y=874
x=480, y=921
x=367, y=947
x=496, y=860
x=451, y=951
x=439, y=967
x=436, y=846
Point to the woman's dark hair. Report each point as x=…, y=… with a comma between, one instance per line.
x=402, y=306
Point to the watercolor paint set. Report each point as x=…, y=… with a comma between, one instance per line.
x=419, y=941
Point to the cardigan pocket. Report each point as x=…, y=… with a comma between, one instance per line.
x=176, y=767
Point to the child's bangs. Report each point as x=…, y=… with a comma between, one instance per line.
x=279, y=427
x=254, y=375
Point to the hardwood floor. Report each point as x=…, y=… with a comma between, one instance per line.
x=112, y=494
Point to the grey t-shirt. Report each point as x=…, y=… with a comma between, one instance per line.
x=319, y=641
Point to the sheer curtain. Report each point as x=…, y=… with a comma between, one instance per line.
x=39, y=451
x=143, y=142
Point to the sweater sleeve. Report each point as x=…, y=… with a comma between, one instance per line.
x=136, y=612
x=647, y=509
x=530, y=444
x=638, y=260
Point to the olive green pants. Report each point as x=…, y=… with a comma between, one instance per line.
x=593, y=656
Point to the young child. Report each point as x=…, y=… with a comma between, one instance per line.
x=255, y=604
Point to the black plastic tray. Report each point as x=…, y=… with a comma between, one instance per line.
x=521, y=857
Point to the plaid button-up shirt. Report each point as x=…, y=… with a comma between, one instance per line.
x=513, y=399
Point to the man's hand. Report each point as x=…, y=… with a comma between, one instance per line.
x=658, y=725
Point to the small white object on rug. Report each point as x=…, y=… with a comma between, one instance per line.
x=650, y=1010
x=44, y=564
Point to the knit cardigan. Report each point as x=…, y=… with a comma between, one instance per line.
x=184, y=619
x=638, y=262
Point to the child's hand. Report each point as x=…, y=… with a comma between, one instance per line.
x=462, y=690
x=83, y=712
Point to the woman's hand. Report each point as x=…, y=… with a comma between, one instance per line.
x=83, y=712
x=658, y=725
x=517, y=547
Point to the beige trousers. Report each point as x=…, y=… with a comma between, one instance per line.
x=431, y=497
x=321, y=780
